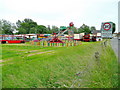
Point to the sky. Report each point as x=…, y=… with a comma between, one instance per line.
x=61, y=12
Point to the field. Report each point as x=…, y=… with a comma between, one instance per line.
x=30, y=66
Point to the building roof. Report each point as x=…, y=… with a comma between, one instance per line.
x=96, y=31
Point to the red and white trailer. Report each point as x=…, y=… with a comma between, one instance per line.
x=11, y=39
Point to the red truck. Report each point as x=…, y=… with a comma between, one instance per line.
x=86, y=38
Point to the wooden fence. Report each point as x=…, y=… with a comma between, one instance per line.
x=47, y=44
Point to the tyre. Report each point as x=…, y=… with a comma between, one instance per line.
x=3, y=42
x=22, y=41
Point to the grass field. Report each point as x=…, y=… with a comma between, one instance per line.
x=29, y=66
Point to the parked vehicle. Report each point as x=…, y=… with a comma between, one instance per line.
x=78, y=37
x=93, y=38
x=86, y=38
x=11, y=39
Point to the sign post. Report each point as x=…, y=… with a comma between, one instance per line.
x=106, y=29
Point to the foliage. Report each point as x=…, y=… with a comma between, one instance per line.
x=55, y=29
x=1, y=27
x=26, y=26
x=84, y=29
x=6, y=27
x=92, y=28
x=41, y=29
x=75, y=30
x=49, y=30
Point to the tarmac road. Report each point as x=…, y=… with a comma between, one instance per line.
x=115, y=43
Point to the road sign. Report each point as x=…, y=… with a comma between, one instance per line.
x=106, y=26
x=106, y=30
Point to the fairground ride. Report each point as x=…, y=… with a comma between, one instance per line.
x=55, y=38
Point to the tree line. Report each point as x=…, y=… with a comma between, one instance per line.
x=28, y=26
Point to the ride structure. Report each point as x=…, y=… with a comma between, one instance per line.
x=56, y=39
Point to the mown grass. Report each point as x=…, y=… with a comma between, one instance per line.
x=0, y=68
x=63, y=67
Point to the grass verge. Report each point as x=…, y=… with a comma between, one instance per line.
x=62, y=67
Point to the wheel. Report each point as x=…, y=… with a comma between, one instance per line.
x=22, y=41
x=3, y=42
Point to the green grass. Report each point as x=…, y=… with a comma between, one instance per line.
x=62, y=67
x=0, y=68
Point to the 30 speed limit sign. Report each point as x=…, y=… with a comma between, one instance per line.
x=106, y=26
x=106, y=30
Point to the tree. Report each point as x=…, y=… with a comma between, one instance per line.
x=75, y=30
x=33, y=30
x=41, y=29
x=6, y=27
x=55, y=29
x=1, y=27
x=84, y=29
x=92, y=28
x=49, y=27
x=26, y=26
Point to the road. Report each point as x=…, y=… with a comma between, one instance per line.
x=115, y=43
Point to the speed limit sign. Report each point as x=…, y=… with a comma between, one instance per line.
x=106, y=30
x=106, y=26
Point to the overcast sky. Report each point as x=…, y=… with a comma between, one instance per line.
x=61, y=12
